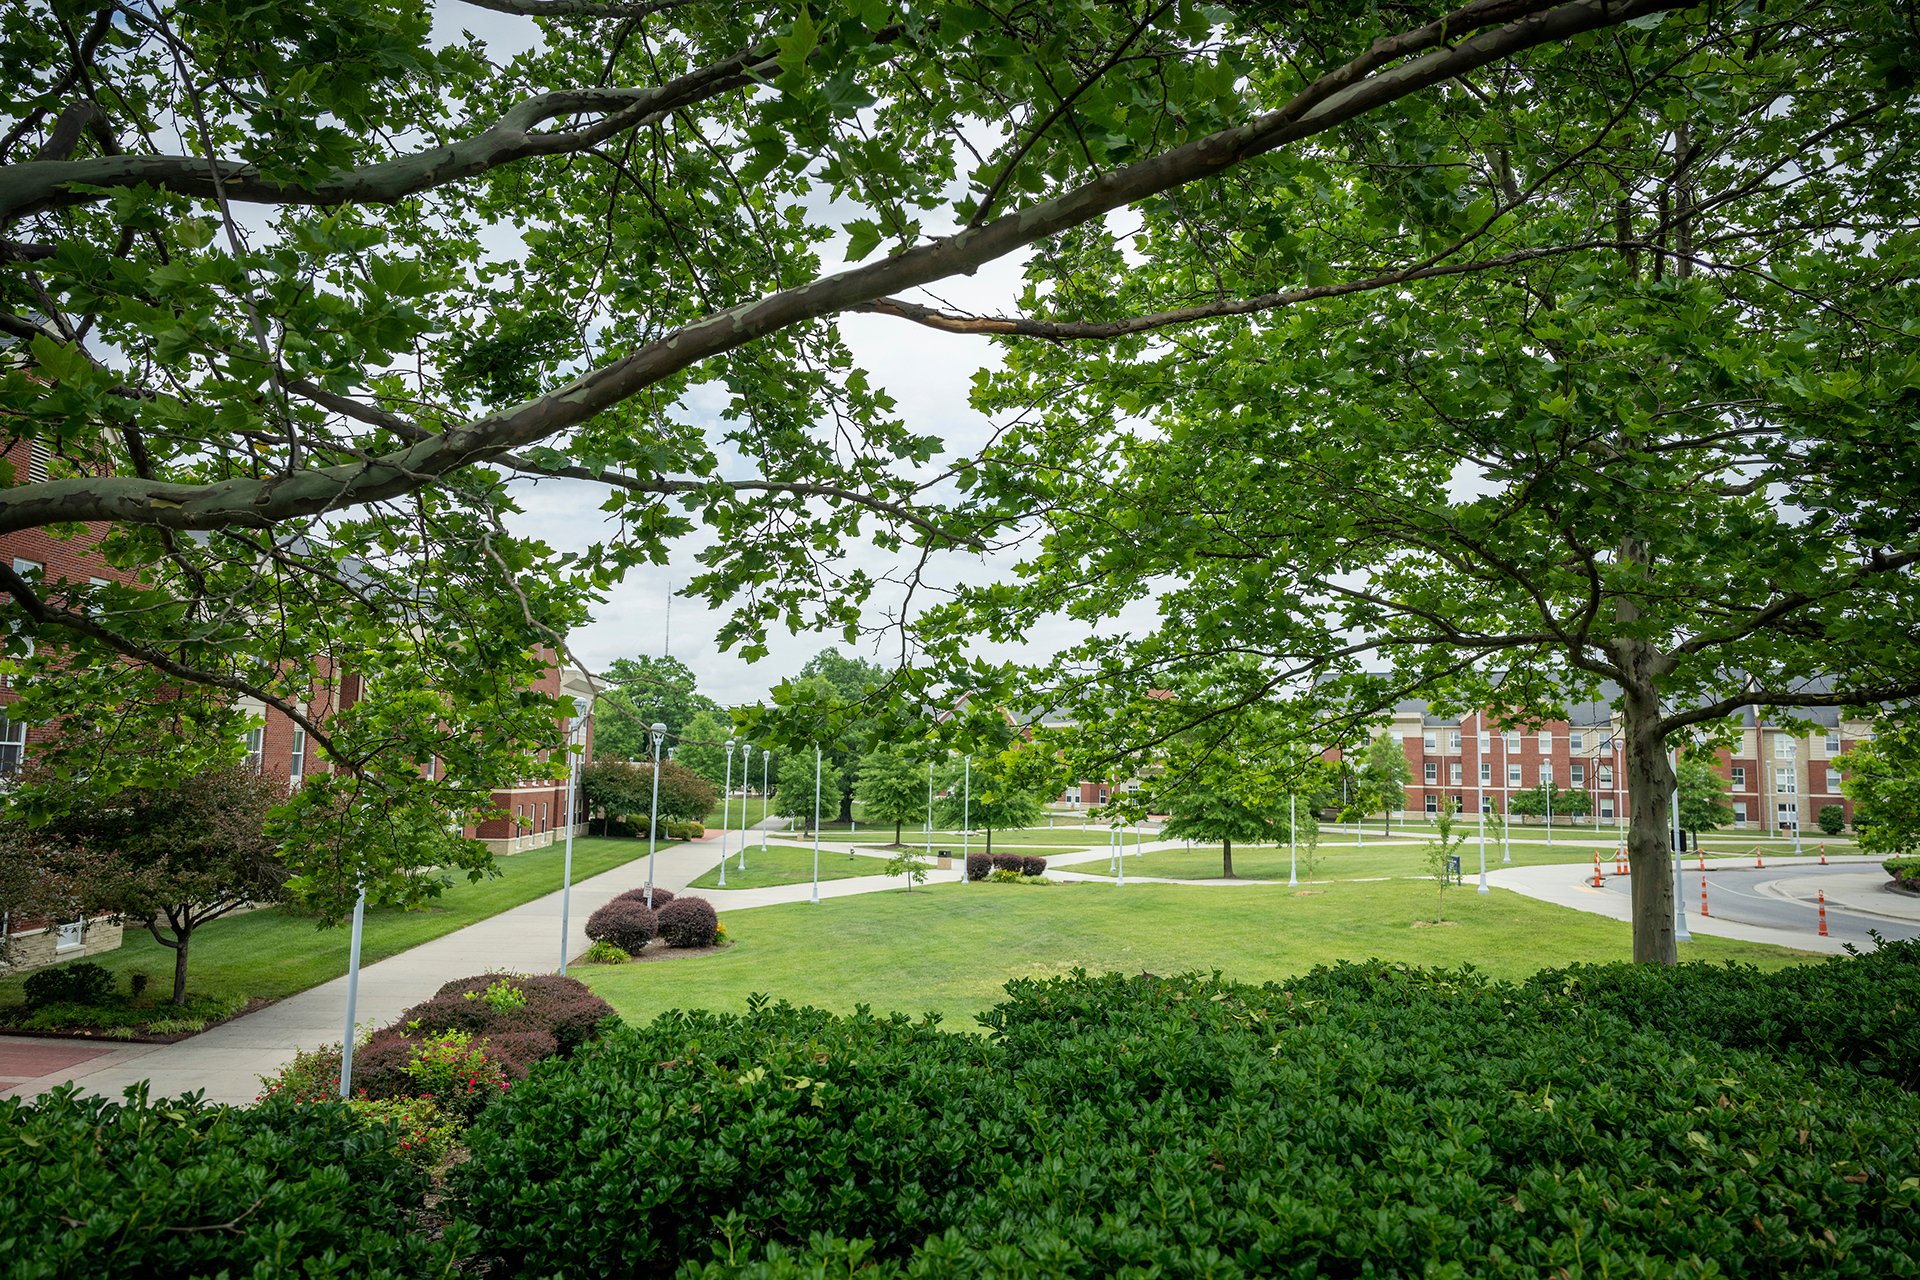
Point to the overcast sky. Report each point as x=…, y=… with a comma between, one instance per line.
x=928, y=373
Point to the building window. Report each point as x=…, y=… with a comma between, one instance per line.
x=1433, y=773
x=1486, y=773
x=31, y=570
x=1784, y=783
x=1484, y=735
x=1605, y=776
x=1486, y=804
x=1430, y=739
x=1739, y=777
x=1453, y=774
x=1400, y=736
x=1513, y=775
x=1510, y=741
x=1833, y=781
x=297, y=762
x=1833, y=742
x=543, y=815
x=1546, y=774
x=72, y=937
x=1739, y=813
x=1453, y=739
x=1433, y=803
x=1606, y=808
x=1785, y=748
x=1546, y=742
x=13, y=743
x=256, y=747
x=1789, y=814
x=1577, y=741
x=1579, y=772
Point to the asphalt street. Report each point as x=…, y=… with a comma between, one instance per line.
x=1782, y=897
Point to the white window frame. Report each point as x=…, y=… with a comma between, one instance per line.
x=1546, y=742
x=1578, y=774
x=1546, y=772
x=1453, y=739
x=1576, y=741
x=1785, y=782
x=1833, y=782
x=1739, y=813
x=1453, y=775
x=1433, y=803
x=256, y=747
x=297, y=761
x=1430, y=739
x=13, y=744
x=1513, y=776
x=1785, y=748
x=71, y=937
x=1833, y=742
x=1486, y=773
x=1603, y=776
x=1433, y=774
x=1510, y=740
x=1739, y=777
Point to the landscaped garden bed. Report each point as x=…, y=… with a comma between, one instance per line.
x=84, y=1000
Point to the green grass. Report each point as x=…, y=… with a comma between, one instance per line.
x=950, y=948
x=784, y=864
x=756, y=807
x=1027, y=838
x=1265, y=862
x=273, y=953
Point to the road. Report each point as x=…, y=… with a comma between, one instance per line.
x=1783, y=897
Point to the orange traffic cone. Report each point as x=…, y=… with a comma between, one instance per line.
x=1758, y=861
x=1823, y=915
x=1598, y=882
x=1703, y=895
x=1823, y=855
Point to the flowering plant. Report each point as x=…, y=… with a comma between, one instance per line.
x=421, y=1131
x=459, y=1077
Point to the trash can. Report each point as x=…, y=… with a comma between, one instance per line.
x=945, y=861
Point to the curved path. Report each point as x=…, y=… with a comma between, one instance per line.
x=226, y=1062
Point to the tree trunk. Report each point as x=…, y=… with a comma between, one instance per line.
x=1650, y=784
x=897, y=827
x=989, y=844
x=180, y=966
x=1226, y=859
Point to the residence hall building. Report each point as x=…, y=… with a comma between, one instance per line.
x=1777, y=777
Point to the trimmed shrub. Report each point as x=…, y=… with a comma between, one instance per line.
x=661, y=897
x=312, y=1076
x=625, y=923
x=517, y=1051
x=380, y=1067
x=421, y=1132
x=979, y=866
x=1905, y=868
x=1832, y=819
x=78, y=982
x=685, y=830
x=1033, y=866
x=688, y=922
x=561, y=1007
x=1367, y=1119
x=175, y=1188
x=1014, y=862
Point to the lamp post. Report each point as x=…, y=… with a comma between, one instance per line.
x=1293, y=842
x=1506, y=803
x=726, y=813
x=1680, y=932
x=766, y=763
x=746, y=760
x=658, y=732
x=966, y=820
x=353, y=993
x=566, y=873
x=816, y=826
x=1482, y=806
x=929, y=815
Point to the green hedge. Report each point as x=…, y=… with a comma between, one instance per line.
x=173, y=1188
x=1904, y=867
x=1366, y=1120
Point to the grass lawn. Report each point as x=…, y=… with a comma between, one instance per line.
x=272, y=953
x=1264, y=862
x=949, y=948
x=1027, y=838
x=784, y=864
x=756, y=807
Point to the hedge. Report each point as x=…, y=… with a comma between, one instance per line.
x=173, y=1188
x=1365, y=1120
x=624, y=922
x=1904, y=867
x=688, y=922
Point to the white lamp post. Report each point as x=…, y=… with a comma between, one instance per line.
x=966, y=820
x=726, y=813
x=746, y=759
x=353, y=993
x=816, y=826
x=929, y=814
x=766, y=763
x=566, y=873
x=1293, y=841
x=1680, y=932
x=658, y=732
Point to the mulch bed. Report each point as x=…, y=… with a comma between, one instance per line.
x=655, y=951
x=98, y=1035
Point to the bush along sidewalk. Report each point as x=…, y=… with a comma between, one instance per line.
x=1007, y=868
x=1366, y=1119
x=82, y=998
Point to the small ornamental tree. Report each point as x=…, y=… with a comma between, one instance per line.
x=1703, y=795
x=701, y=746
x=910, y=864
x=892, y=789
x=1441, y=853
x=1546, y=799
x=1832, y=819
x=169, y=857
x=994, y=802
x=1384, y=776
x=1883, y=781
x=1216, y=815
x=1306, y=834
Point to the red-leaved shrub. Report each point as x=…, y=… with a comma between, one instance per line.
x=1033, y=866
x=624, y=922
x=661, y=897
x=688, y=922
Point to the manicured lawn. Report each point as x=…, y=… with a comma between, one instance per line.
x=1264, y=862
x=784, y=864
x=756, y=808
x=273, y=953
x=950, y=948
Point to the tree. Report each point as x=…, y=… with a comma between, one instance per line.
x=909, y=864
x=1306, y=832
x=703, y=748
x=996, y=801
x=1629, y=454
x=1546, y=799
x=1441, y=854
x=851, y=681
x=893, y=789
x=170, y=858
x=1384, y=777
x=642, y=692
x=1832, y=819
x=795, y=798
x=624, y=789
x=1219, y=815
x=278, y=328
x=1882, y=779
x=1703, y=795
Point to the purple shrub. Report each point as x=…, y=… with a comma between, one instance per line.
x=1033, y=866
x=624, y=922
x=661, y=897
x=979, y=866
x=1013, y=862
x=688, y=922
x=517, y=1051
x=560, y=1007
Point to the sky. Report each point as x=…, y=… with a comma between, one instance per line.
x=928, y=373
